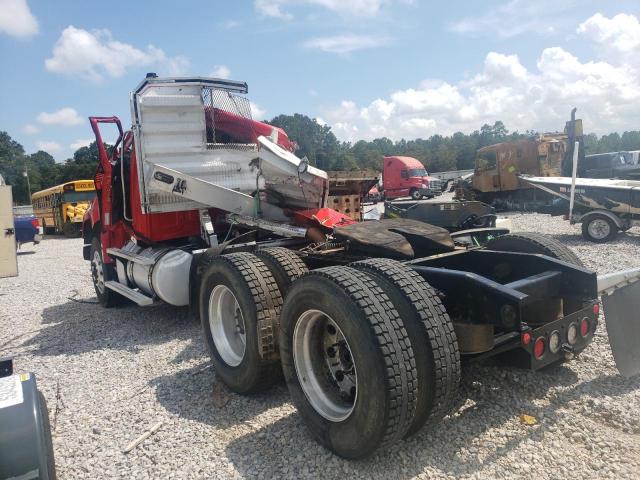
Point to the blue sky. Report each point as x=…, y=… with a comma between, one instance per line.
x=400, y=68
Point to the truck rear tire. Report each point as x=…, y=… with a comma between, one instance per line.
x=240, y=306
x=285, y=265
x=432, y=336
x=347, y=360
x=531, y=242
x=599, y=229
x=100, y=273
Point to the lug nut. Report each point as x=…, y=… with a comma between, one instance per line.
x=339, y=375
x=331, y=352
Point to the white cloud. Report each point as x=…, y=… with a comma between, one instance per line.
x=271, y=8
x=47, y=146
x=221, y=71
x=516, y=17
x=96, y=54
x=175, y=66
x=621, y=32
x=30, y=129
x=82, y=142
x=345, y=44
x=617, y=38
x=606, y=94
x=230, y=24
x=359, y=8
x=257, y=113
x=16, y=19
x=66, y=117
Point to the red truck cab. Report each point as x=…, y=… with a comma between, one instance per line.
x=407, y=177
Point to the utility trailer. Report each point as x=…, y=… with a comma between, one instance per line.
x=604, y=207
x=367, y=321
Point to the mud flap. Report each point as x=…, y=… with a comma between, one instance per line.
x=621, y=306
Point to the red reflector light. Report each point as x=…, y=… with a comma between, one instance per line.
x=538, y=348
x=35, y=222
x=525, y=338
x=596, y=309
x=584, y=327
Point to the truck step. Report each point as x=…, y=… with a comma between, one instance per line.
x=131, y=256
x=133, y=295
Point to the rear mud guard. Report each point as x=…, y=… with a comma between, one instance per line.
x=620, y=293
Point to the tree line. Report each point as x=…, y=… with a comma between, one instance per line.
x=315, y=141
x=437, y=153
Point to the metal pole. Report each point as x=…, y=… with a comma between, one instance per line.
x=574, y=173
x=26, y=174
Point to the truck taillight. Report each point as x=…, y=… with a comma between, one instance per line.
x=35, y=222
x=584, y=327
x=538, y=348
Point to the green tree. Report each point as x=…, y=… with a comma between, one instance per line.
x=314, y=141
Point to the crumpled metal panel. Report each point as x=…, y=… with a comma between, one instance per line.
x=173, y=135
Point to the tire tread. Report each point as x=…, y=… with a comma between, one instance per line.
x=268, y=301
x=554, y=248
x=438, y=327
x=393, y=342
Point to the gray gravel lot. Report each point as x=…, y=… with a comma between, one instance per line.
x=108, y=375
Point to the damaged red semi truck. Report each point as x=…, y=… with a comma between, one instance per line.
x=200, y=206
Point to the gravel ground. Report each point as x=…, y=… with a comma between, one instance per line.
x=109, y=375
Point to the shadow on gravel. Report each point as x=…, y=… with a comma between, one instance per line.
x=80, y=326
x=196, y=394
x=495, y=396
x=25, y=252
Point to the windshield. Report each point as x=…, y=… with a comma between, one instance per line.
x=71, y=197
x=417, y=172
x=486, y=160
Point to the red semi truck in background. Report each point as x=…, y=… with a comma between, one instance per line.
x=407, y=177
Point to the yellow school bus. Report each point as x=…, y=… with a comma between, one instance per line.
x=60, y=209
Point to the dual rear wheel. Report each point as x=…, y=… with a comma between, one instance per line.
x=367, y=351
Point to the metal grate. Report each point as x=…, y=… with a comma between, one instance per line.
x=228, y=118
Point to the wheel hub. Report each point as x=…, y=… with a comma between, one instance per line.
x=97, y=271
x=324, y=365
x=599, y=229
x=226, y=323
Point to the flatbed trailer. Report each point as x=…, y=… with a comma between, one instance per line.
x=367, y=321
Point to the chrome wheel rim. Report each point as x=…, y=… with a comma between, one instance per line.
x=97, y=271
x=226, y=323
x=599, y=229
x=324, y=365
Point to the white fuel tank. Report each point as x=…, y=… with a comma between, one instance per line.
x=167, y=278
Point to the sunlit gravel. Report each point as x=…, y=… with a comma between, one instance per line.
x=109, y=375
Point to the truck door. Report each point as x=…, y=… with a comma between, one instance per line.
x=8, y=258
